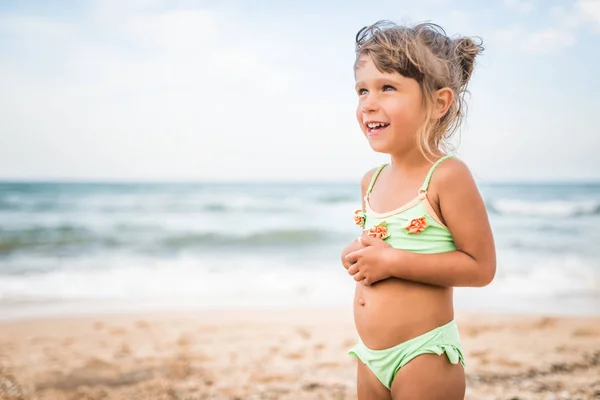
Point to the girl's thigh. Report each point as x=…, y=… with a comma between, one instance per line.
x=368, y=386
x=430, y=377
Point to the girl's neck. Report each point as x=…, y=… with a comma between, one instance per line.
x=411, y=160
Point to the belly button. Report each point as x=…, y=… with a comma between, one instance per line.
x=361, y=301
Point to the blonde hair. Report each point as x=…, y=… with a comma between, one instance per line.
x=425, y=53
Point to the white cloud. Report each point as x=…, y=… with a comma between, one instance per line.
x=185, y=94
x=178, y=30
x=542, y=41
x=546, y=41
x=565, y=24
x=145, y=92
x=561, y=32
x=32, y=26
x=590, y=11
x=522, y=6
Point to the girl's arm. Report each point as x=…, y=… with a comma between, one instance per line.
x=463, y=210
x=355, y=244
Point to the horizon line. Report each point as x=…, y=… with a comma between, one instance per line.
x=532, y=181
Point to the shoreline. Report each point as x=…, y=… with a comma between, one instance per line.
x=283, y=353
x=581, y=306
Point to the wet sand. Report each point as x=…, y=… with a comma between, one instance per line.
x=285, y=354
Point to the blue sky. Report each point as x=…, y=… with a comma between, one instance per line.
x=260, y=90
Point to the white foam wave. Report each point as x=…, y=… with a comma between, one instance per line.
x=521, y=281
x=205, y=283
x=544, y=208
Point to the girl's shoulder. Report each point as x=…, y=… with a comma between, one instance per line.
x=453, y=186
x=453, y=173
x=368, y=177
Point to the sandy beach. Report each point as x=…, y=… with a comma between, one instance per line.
x=281, y=354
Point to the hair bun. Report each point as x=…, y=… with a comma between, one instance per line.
x=466, y=51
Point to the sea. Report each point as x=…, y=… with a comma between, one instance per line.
x=78, y=248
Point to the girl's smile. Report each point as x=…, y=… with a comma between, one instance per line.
x=375, y=127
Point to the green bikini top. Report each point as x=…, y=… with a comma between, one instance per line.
x=412, y=227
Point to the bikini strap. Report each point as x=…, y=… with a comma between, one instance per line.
x=430, y=173
x=374, y=178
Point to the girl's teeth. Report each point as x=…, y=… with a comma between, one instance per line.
x=376, y=125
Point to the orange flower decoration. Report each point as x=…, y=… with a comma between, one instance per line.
x=416, y=225
x=359, y=217
x=379, y=231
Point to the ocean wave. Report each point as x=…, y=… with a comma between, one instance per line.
x=157, y=202
x=273, y=238
x=141, y=239
x=48, y=238
x=333, y=199
x=556, y=208
x=246, y=278
x=258, y=207
x=204, y=281
x=110, y=206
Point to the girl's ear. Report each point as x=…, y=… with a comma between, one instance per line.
x=442, y=101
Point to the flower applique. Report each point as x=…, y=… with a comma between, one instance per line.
x=359, y=218
x=416, y=225
x=379, y=231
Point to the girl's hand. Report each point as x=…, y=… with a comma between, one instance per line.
x=371, y=263
x=353, y=246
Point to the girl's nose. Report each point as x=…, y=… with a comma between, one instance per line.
x=369, y=105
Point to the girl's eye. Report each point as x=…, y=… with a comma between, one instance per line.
x=388, y=87
x=361, y=91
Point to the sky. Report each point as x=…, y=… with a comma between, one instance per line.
x=255, y=90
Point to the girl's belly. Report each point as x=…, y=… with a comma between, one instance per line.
x=394, y=310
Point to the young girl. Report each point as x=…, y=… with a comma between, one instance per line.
x=425, y=226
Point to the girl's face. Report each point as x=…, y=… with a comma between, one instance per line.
x=390, y=108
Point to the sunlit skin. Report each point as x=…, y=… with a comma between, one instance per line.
x=401, y=295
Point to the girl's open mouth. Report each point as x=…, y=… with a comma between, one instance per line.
x=373, y=128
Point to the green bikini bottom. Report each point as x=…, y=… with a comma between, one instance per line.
x=385, y=363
